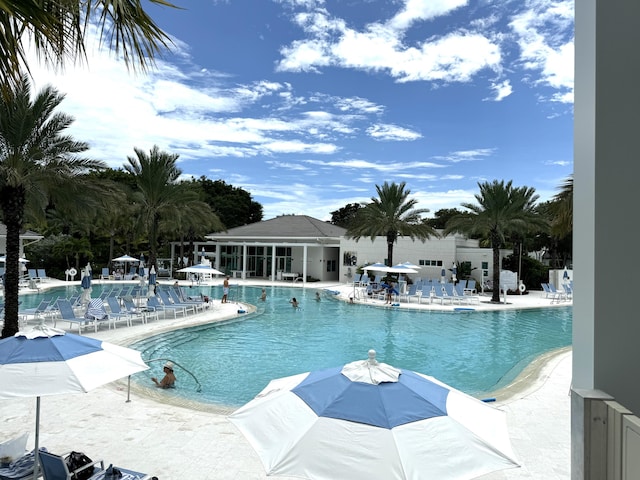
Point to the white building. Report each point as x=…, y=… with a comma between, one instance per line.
x=302, y=248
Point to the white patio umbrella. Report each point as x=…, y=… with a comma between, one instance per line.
x=377, y=267
x=410, y=265
x=48, y=361
x=125, y=258
x=3, y=259
x=370, y=420
x=200, y=268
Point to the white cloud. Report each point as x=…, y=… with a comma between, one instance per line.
x=544, y=32
x=501, y=90
x=392, y=132
x=454, y=57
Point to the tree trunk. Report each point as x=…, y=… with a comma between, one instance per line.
x=495, y=244
x=391, y=239
x=12, y=200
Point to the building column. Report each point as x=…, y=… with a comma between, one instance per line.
x=607, y=172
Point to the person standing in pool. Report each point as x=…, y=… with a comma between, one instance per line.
x=225, y=290
x=169, y=379
x=294, y=302
x=263, y=296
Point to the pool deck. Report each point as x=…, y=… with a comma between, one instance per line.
x=176, y=441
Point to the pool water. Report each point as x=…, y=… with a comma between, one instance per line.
x=476, y=352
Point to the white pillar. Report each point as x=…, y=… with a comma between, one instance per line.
x=606, y=329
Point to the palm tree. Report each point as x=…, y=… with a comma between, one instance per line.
x=392, y=214
x=502, y=210
x=38, y=166
x=562, y=210
x=161, y=197
x=58, y=30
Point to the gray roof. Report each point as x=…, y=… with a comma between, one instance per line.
x=28, y=234
x=284, y=226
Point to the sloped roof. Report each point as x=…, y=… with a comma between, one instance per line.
x=26, y=234
x=285, y=226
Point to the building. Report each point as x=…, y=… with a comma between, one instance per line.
x=302, y=248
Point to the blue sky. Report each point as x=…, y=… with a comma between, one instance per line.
x=308, y=104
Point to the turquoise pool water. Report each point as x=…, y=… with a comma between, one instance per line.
x=476, y=352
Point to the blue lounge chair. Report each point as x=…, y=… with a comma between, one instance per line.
x=68, y=315
x=97, y=313
x=105, y=273
x=168, y=302
x=440, y=294
x=36, y=313
x=54, y=467
x=42, y=274
x=33, y=275
x=154, y=303
x=146, y=312
x=126, y=315
x=175, y=296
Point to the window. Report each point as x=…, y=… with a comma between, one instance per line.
x=430, y=263
x=331, y=265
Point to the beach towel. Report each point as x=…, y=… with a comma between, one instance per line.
x=21, y=468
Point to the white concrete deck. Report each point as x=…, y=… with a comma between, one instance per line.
x=174, y=442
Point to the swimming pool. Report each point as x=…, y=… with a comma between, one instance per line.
x=476, y=352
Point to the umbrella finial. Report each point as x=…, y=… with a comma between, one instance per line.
x=372, y=357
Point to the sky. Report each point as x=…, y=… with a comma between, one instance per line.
x=309, y=104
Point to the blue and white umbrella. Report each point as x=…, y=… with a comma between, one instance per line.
x=85, y=283
x=152, y=275
x=48, y=361
x=141, y=271
x=370, y=420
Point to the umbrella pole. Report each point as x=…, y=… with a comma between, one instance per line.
x=36, y=453
x=128, y=389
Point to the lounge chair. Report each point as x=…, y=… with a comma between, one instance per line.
x=105, y=273
x=168, y=302
x=36, y=313
x=464, y=297
x=409, y=293
x=132, y=275
x=441, y=295
x=154, y=303
x=175, y=296
x=54, y=467
x=146, y=312
x=118, y=313
x=33, y=275
x=42, y=274
x=471, y=287
x=97, y=313
x=68, y=315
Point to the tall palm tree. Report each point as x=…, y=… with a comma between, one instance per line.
x=58, y=30
x=502, y=210
x=392, y=214
x=562, y=210
x=161, y=197
x=38, y=165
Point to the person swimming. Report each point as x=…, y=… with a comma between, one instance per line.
x=294, y=302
